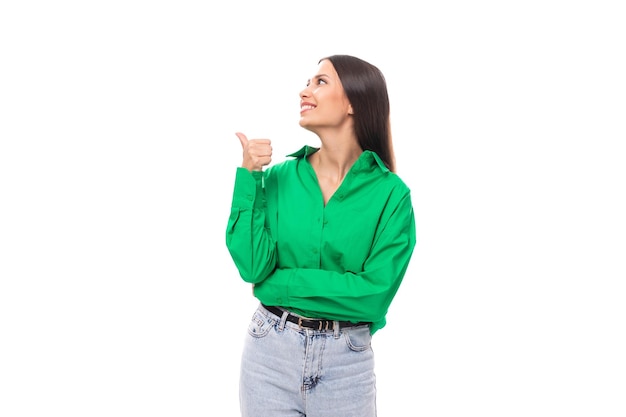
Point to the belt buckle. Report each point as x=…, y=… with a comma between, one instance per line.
x=307, y=327
x=319, y=327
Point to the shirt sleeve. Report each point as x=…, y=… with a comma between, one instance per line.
x=364, y=295
x=248, y=238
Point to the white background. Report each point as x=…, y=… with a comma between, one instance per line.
x=117, y=158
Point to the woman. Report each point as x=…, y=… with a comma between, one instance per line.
x=325, y=238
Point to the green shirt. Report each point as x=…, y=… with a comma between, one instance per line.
x=341, y=261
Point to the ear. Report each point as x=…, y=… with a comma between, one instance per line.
x=350, y=111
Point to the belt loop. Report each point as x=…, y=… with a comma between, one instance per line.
x=283, y=320
x=336, y=329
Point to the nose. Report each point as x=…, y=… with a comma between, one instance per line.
x=305, y=93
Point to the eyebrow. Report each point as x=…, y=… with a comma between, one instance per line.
x=318, y=76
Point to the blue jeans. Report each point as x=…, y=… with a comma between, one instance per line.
x=288, y=371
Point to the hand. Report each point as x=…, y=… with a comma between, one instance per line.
x=257, y=153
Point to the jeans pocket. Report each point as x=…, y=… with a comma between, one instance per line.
x=358, y=339
x=260, y=325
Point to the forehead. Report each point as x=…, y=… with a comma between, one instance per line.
x=326, y=67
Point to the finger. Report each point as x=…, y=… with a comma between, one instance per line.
x=259, y=147
x=242, y=139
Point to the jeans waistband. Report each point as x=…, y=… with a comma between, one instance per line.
x=312, y=324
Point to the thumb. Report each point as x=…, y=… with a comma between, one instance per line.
x=243, y=139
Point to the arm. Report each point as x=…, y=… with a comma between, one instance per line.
x=365, y=295
x=248, y=238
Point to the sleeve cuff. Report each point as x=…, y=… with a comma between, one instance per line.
x=248, y=191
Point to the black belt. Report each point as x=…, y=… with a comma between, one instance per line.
x=314, y=324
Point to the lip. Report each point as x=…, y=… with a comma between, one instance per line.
x=306, y=106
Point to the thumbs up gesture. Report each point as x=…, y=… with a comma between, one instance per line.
x=257, y=153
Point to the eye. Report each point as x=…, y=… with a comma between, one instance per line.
x=317, y=81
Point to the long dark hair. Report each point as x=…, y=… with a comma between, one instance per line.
x=366, y=89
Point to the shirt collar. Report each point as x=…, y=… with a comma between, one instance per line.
x=303, y=152
x=366, y=160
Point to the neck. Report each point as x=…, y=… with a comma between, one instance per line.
x=335, y=160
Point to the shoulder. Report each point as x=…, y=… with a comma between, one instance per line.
x=396, y=185
x=391, y=180
x=286, y=166
x=292, y=163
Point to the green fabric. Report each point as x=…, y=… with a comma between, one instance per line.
x=343, y=261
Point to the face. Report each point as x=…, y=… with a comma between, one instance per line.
x=323, y=103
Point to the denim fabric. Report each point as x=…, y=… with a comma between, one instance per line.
x=287, y=371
